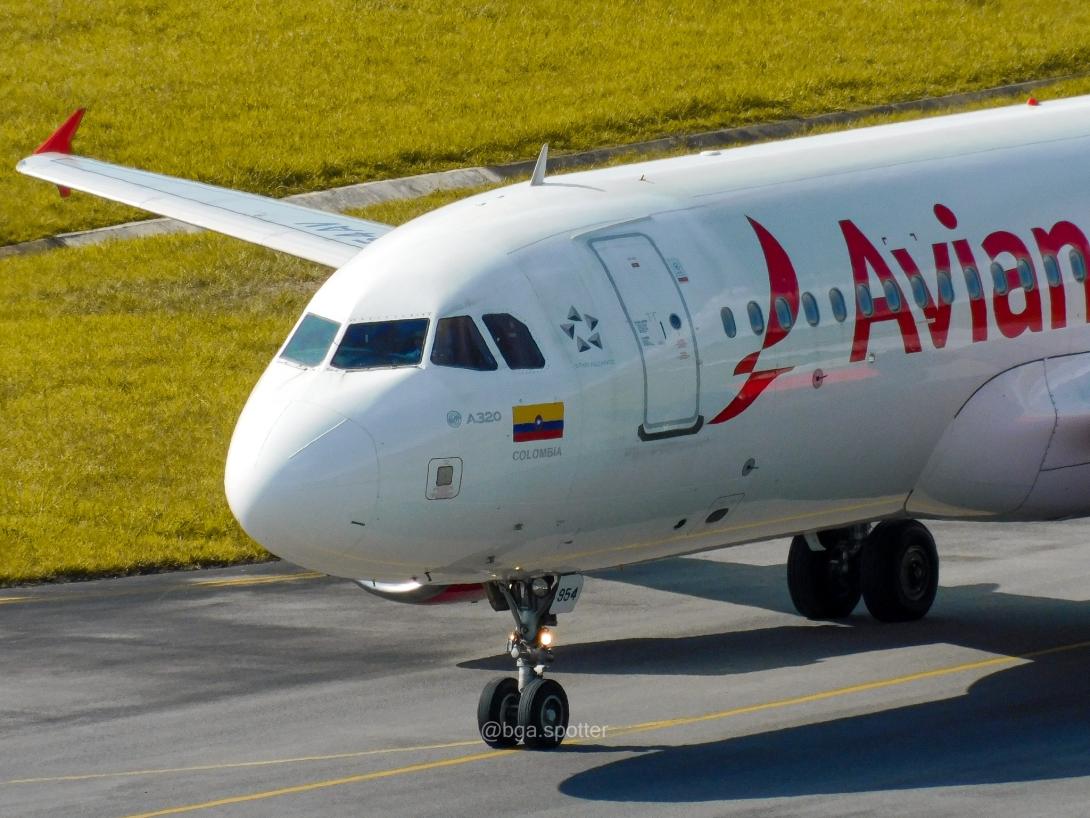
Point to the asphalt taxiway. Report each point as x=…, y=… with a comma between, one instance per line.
x=269, y=690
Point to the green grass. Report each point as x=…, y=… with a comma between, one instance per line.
x=125, y=366
x=279, y=98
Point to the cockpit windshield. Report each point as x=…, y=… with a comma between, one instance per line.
x=514, y=341
x=311, y=340
x=382, y=344
x=459, y=344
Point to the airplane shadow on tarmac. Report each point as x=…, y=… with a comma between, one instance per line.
x=975, y=616
x=1027, y=722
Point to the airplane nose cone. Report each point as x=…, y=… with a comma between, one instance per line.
x=301, y=480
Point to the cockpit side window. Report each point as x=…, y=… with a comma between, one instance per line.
x=459, y=343
x=382, y=344
x=311, y=340
x=514, y=341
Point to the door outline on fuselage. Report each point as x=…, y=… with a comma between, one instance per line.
x=696, y=420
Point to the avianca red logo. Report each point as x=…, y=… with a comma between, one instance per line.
x=1009, y=265
x=782, y=282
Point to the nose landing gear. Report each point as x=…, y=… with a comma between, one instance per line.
x=894, y=567
x=531, y=708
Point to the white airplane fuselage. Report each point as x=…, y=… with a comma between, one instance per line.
x=651, y=430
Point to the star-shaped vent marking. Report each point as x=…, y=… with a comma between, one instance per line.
x=571, y=327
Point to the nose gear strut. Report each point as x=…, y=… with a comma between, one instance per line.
x=530, y=610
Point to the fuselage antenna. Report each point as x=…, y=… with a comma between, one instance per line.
x=538, y=177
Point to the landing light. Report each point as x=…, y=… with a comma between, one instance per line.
x=545, y=637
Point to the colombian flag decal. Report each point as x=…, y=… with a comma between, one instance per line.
x=538, y=421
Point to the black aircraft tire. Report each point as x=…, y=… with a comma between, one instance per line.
x=817, y=590
x=497, y=712
x=900, y=571
x=543, y=714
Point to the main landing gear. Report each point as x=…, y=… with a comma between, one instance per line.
x=894, y=567
x=531, y=708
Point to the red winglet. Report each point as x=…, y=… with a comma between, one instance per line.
x=61, y=141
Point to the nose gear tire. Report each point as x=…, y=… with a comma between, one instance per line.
x=498, y=712
x=543, y=714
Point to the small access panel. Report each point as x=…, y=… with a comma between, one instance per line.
x=444, y=478
x=660, y=322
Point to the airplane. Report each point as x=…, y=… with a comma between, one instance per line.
x=828, y=338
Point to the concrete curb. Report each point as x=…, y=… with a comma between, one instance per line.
x=411, y=187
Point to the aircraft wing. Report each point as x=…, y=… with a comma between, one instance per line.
x=326, y=238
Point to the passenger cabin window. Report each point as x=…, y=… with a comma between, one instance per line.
x=810, y=309
x=1025, y=275
x=311, y=341
x=458, y=343
x=729, y=325
x=1052, y=271
x=972, y=283
x=866, y=303
x=999, y=278
x=919, y=290
x=840, y=309
x=756, y=318
x=514, y=341
x=783, y=313
x=945, y=287
x=1078, y=265
x=381, y=344
x=893, y=295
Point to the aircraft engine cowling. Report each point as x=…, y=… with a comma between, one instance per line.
x=1018, y=449
x=415, y=593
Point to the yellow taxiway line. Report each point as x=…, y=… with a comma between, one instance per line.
x=662, y=724
x=234, y=765
x=335, y=782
